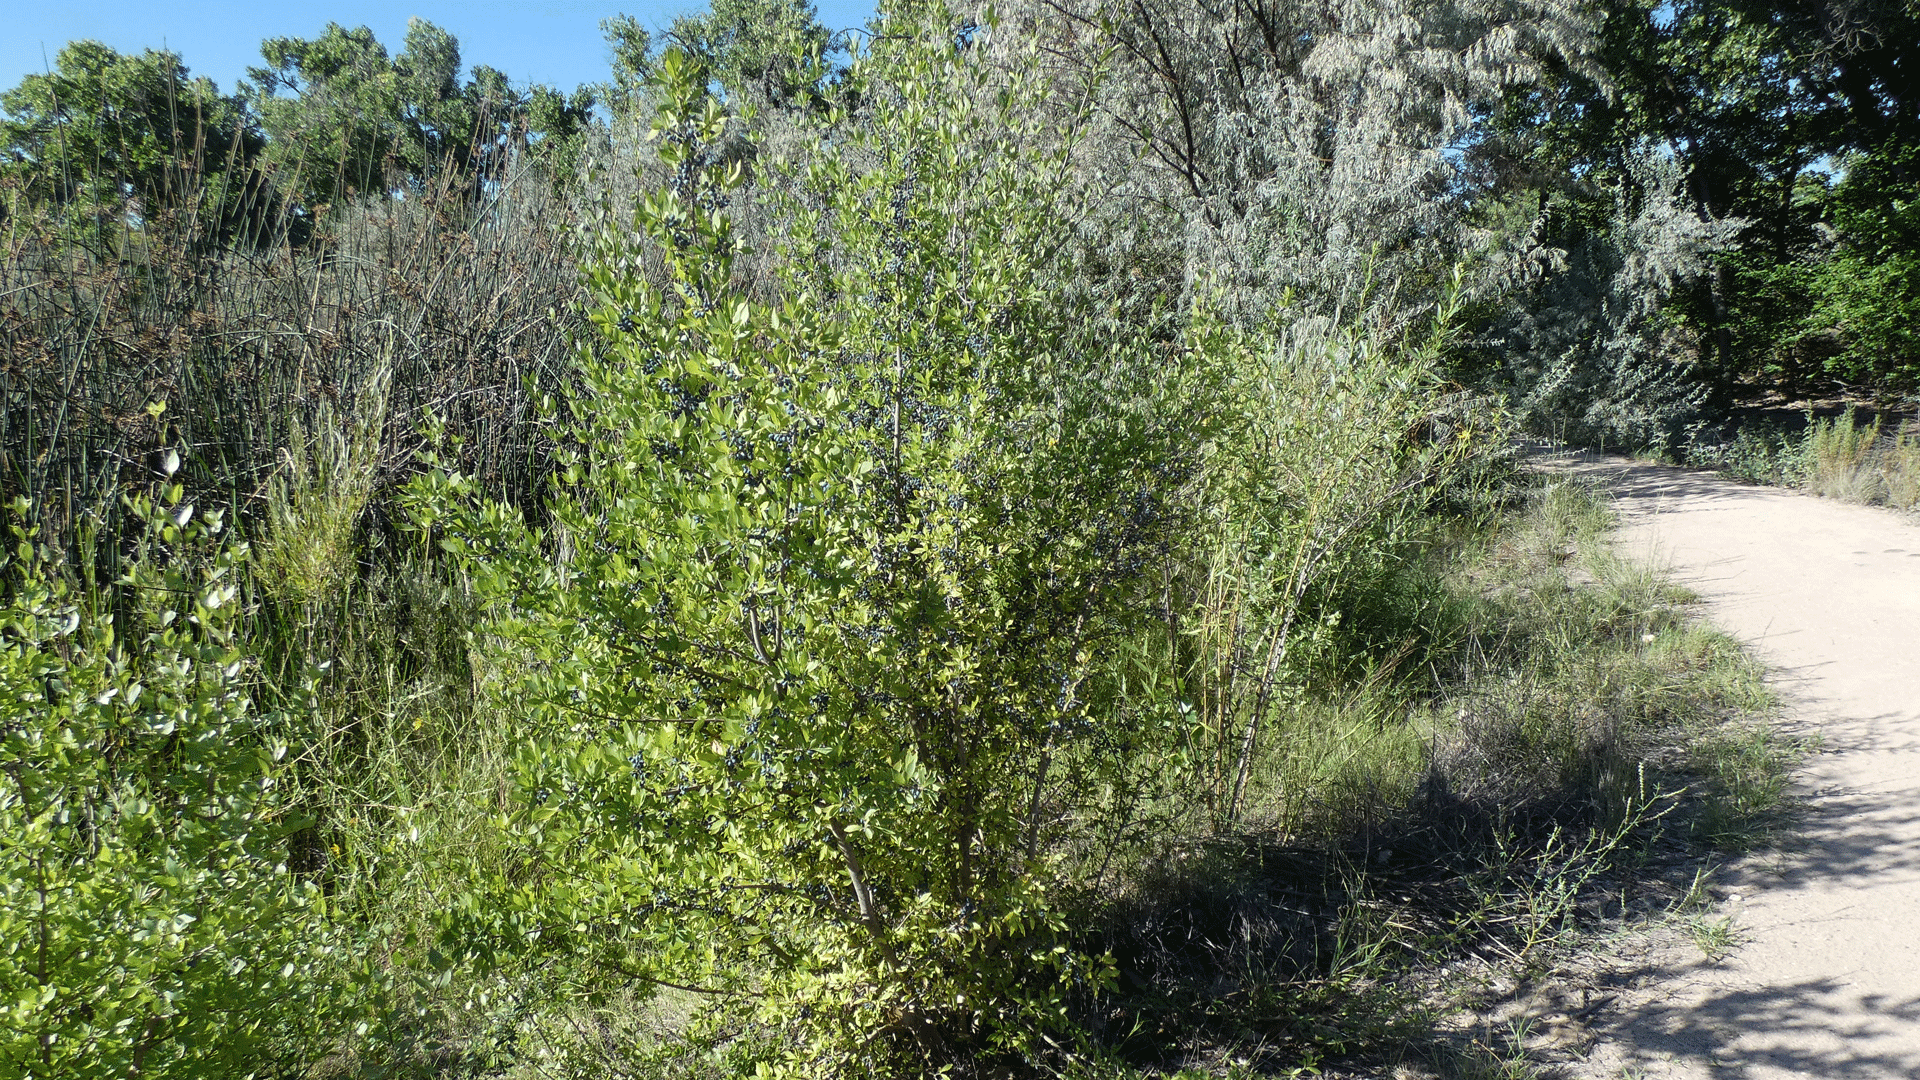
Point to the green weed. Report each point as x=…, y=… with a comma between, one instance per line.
x=1716, y=938
x=1837, y=459
x=1843, y=458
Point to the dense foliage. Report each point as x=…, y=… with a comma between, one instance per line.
x=151, y=924
x=858, y=553
x=798, y=559
x=1789, y=123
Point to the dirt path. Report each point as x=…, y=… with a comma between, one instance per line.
x=1827, y=980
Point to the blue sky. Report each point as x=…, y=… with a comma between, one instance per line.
x=552, y=41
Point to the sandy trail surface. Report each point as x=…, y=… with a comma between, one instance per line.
x=1826, y=980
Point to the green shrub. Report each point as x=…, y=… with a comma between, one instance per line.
x=1310, y=487
x=807, y=662
x=1754, y=453
x=148, y=922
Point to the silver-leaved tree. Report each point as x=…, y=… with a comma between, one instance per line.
x=1302, y=157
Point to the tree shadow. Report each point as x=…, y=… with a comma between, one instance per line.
x=1821, y=1028
x=1841, y=834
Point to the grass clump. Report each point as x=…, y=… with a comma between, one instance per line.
x=1836, y=457
x=1842, y=457
x=1864, y=462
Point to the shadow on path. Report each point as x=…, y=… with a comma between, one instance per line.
x=1822, y=1028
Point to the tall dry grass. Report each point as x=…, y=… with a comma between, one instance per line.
x=1863, y=461
x=436, y=303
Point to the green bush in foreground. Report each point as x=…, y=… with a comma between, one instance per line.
x=148, y=922
x=809, y=656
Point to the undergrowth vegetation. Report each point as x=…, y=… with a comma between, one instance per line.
x=1873, y=461
x=894, y=598
x=1843, y=458
x=1562, y=730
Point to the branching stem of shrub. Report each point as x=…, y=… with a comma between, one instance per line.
x=862, y=893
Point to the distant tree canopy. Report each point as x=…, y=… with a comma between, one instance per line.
x=106, y=136
x=342, y=116
x=759, y=53
x=1312, y=152
x=1791, y=119
x=131, y=131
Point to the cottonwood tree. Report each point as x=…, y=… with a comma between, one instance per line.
x=107, y=137
x=343, y=117
x=762, y=54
